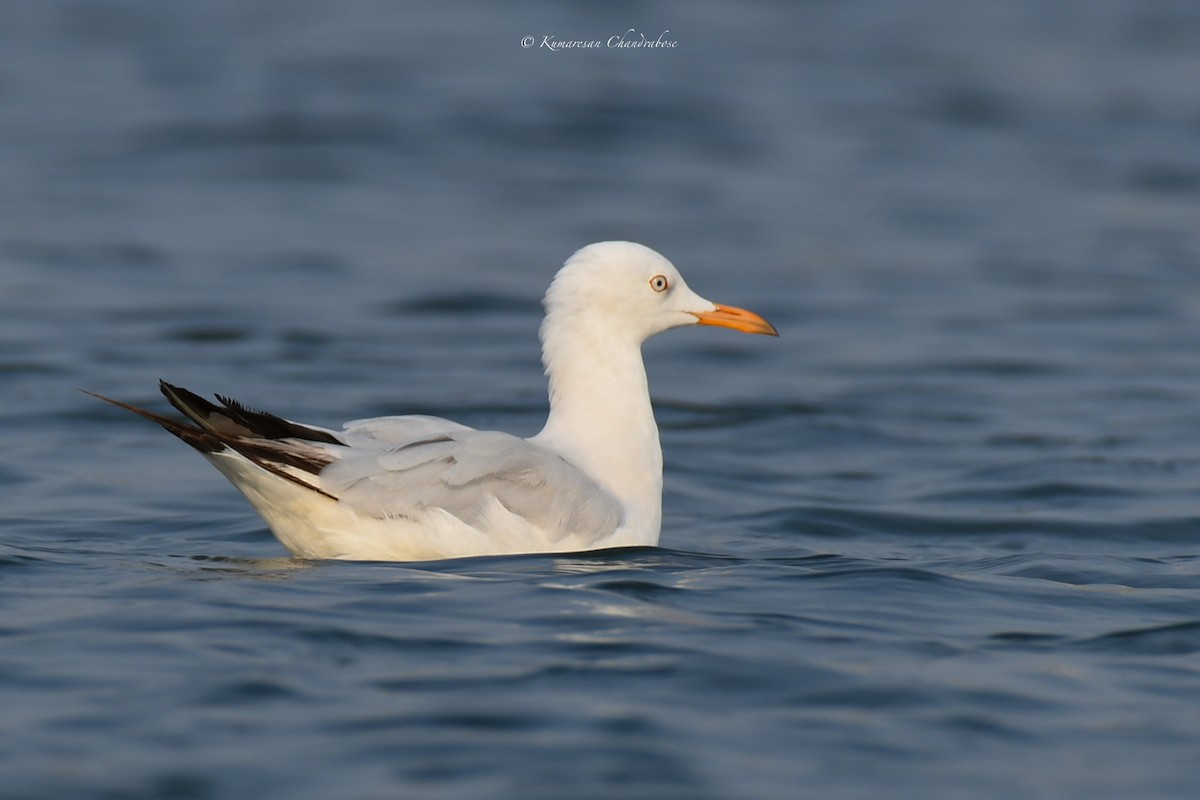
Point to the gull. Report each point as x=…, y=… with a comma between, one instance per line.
x=416, y=488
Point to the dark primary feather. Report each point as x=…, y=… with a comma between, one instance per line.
x=202, y=440
x=270, y=442
x=237, y=419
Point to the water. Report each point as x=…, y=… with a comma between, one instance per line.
x=938, y=540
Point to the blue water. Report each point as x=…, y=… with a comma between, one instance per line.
x=939, y=540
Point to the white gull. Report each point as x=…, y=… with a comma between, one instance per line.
x=413, y=488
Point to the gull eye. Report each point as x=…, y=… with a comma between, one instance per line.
x=659, y=283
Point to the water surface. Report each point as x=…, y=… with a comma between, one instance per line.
x=938, y=540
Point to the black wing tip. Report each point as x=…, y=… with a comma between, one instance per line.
x=198, y=438
x=235, y=418
x=263, y=454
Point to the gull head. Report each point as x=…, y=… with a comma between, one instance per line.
x=624, y=290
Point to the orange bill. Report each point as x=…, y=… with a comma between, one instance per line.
x=737, y=318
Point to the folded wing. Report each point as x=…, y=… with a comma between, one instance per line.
x=405, y=466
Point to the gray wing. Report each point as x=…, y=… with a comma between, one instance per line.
x=401, y=466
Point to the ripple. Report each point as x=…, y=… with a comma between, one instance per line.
x=273, y=129
x=242, y=692
x=468, y=302
x=210, y=334
x=1166, y=178
x=11, y=560
x=24, y=367
x=1176, y=639
x=842, y=522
